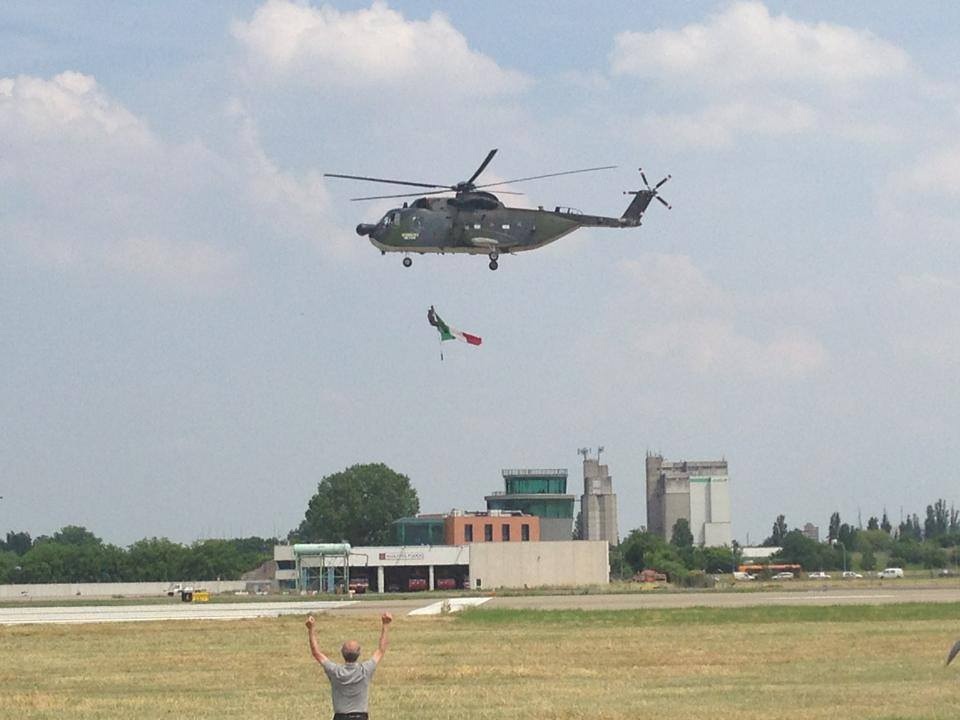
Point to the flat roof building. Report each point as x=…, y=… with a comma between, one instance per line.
x=538, y=492
x=693, y=490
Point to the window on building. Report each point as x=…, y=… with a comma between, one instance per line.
x=468, y=533
x=525, y=532
x=505, y=532
x=488, y=532
x=286, y=565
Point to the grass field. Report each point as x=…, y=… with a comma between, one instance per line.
x=772, y=662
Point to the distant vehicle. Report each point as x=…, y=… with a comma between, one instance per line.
x=446, y=584
x=850, y=574
x=178, y=589
x=820, y=575
x=783, y=576
x=889, y=573
x=359, y=585
x=945, y=572
x=649, y=576
x=414, y=584
x=737, y=575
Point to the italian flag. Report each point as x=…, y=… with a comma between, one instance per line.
x=450, y=333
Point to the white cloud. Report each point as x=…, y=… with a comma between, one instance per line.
x=926, y=320
x=70, y=103
x=746, y=45
x=938, y=173
x=375, y=46
x=717, y=126
x=678, y=315
x=89, y=188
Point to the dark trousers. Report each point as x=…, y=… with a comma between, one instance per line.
x=350, y=716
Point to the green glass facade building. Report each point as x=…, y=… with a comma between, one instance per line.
x=538, y=492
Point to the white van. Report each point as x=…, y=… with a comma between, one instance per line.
x=888, y=573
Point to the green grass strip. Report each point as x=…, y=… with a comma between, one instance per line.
x=716, y=616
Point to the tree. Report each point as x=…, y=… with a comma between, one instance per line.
x=578, y=526
x=17, y=542
x=868, y=560
x=357, y=506
x=157, y=559
x=873, y=523
x=798, y=548
x=681, y=537
x=885, y=523
x=778, y=534
x=833, y=533
x=75, y=535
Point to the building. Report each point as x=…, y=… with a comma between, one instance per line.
x=598, y=504
x=425, y=529
x=693, y=490
x=481, y=566
x=538, y=492
x=461, y=528
x=811, y=531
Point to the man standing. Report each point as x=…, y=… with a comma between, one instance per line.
x=350, y=683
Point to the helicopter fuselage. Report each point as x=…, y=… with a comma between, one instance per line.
x=476, y=223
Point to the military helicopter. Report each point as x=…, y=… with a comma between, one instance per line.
x=474, y=221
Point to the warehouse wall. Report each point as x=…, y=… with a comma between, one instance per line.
x=539, y=564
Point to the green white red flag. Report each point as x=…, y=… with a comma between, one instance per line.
x=450, y=333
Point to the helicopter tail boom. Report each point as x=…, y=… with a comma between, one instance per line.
x=641, y=201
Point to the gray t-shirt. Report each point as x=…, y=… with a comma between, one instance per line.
x=350, y=684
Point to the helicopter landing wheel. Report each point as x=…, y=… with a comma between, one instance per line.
x=494, y=256
x=407, y=262
x=493, y=265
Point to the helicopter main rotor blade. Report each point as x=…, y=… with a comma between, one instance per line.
x=382, y=180
x=482, y=167
x=538, y=177
x=403, y=195
x=423, y=194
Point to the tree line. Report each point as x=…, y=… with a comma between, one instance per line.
x=74, y=554
x=933, y=542
x=356, y=505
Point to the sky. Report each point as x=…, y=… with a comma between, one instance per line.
x=193, y=335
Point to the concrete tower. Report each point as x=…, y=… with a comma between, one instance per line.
x=598, y=504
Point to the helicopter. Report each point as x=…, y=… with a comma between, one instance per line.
x=476, y=222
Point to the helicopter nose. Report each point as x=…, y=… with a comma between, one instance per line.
x=365, y=229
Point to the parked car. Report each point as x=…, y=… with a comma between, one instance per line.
x=819, y=575
x=850, y=574
x=888, y=573
x=945, y=572
x=737, y=575
x=785, y=575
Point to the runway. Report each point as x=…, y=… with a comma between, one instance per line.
x=28, y=615
x=21, y=615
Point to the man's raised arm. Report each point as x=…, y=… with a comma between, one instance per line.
x=385, y=620
x=314, y=648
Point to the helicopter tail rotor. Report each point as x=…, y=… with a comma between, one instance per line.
x=642, y=199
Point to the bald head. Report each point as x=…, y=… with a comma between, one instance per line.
x=350, y=651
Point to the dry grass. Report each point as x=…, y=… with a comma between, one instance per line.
x=703, y=664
